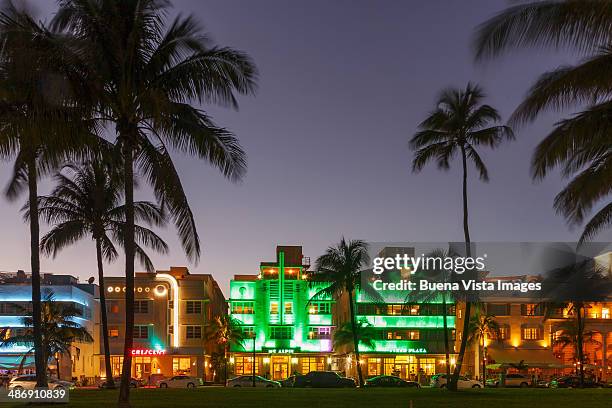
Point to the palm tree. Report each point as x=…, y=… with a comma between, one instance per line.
x=579, y=145
x=341, y=266
x=37, y=129
x=59, y=331
x=573, y=334
x=345, y=335
x=459, y=124
x=89, y=204
x=145, y=77
x=226, y=331
x=483, y=326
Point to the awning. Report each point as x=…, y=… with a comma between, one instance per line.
x=13, y=362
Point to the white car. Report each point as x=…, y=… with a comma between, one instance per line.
x=439, y=381
x=180, y=381
x=28, y=382
x=247, y=381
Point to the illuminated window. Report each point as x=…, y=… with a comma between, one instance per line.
x=113, y=332
x=194, y=332
x=428, y=365
x=273, y=307
x=459, y=313
x=531, y=309
x=112, y=306
x=319, y=308
x=374, y=366
x=141, y=332
x=394, y=310
x=117, y=365
x=414, y=310
x=248, y=331
x=288, y=307
x=281, y=332
x=312, y=364
x=414, y=334
x=532, y=333
x=181, y=365
x=243, y=365
x=605, y=313
x=193, y=307
x=504, y=332
x=319, y=333
x=141, y=306
x=242, y=307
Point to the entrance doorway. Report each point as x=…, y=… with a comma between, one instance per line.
x=142, y=367
x=280, y=367
x=407, y=367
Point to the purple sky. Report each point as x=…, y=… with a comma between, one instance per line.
x=343, y=85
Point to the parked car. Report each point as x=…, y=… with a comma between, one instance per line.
x=573, y=381
x=512, y=380
x=28, y=382
x=247, y=381
x=439, y=381
x=390, y=381
x=323, y=379
x=134, y=382
x=542, y=384
x=288, y=382
x=180, y=381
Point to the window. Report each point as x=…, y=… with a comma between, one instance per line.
x=116, y=365
x=319, y=333
x=498, y=310
x=605, y=313
x=194, y=332
x=141, y=332
x=242, y=307
x=459, y=313
x=273, y=307
x=244, y=365
x=394, y=310
x=504, y=332
x=193, y=307
x=281, y=332
x=319, y=308
x=249, y=331
x=288, y=307
x=141, y=306
x=532, y=333
x=181, y=365
x=312, y=364
x=531, y=309
x=428, y=365
x=113, y=332
x=112, y=306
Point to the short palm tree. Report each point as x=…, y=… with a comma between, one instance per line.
x=573, y=334
x=458, y=125
x=147, y=75
x=59, y=331
x=341, y=266
x=482, y=327
x=365, y=333
x=87, y=203
x=226, y=331
x=580, y=145
x=37, y=129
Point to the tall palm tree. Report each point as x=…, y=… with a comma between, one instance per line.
x=483, y=326
x=344, y=335
x=580, y=145
x=59, y=331
x=39, y=124
x=573, y=334
x=146, y=76
x=458, y=125
x=88, y=203
x=341, y=266
x=226, y=331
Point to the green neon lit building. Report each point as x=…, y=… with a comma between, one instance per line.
x=290, y=335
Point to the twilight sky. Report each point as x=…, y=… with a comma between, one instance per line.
x=343, y=86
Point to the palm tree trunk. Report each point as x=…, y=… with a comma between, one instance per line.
x=124, y=390
x=484, y=362
x=225, y=359
x=446, y=346
x=57, y=364
x=355, y=339
x=580, y=344
x=39, y=359
x=468, y=306
x=110, y=383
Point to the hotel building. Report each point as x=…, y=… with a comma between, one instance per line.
x=16, y=302
x=172, y=309
x=287, y=333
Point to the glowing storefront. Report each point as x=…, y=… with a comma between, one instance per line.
x=288, y=334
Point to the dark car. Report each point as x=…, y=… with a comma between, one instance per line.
x=390, y=381
x=572, y=381
x=134, y=382
x=288, y=382
x=323, y=379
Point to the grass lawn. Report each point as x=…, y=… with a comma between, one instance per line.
x=219, y=397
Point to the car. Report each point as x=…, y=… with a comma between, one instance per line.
x=390, y=381
x=247, y=381
x=288, y=382
x=28, y=382
x=439, y=381
x=323, y=379
x=573, y=381
x=511, y=380
x=180, y=381
x=134, y=382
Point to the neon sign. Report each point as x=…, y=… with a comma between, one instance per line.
x=148, y=352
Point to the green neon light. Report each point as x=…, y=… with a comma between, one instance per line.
x=320, y=319
x=436, y=322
